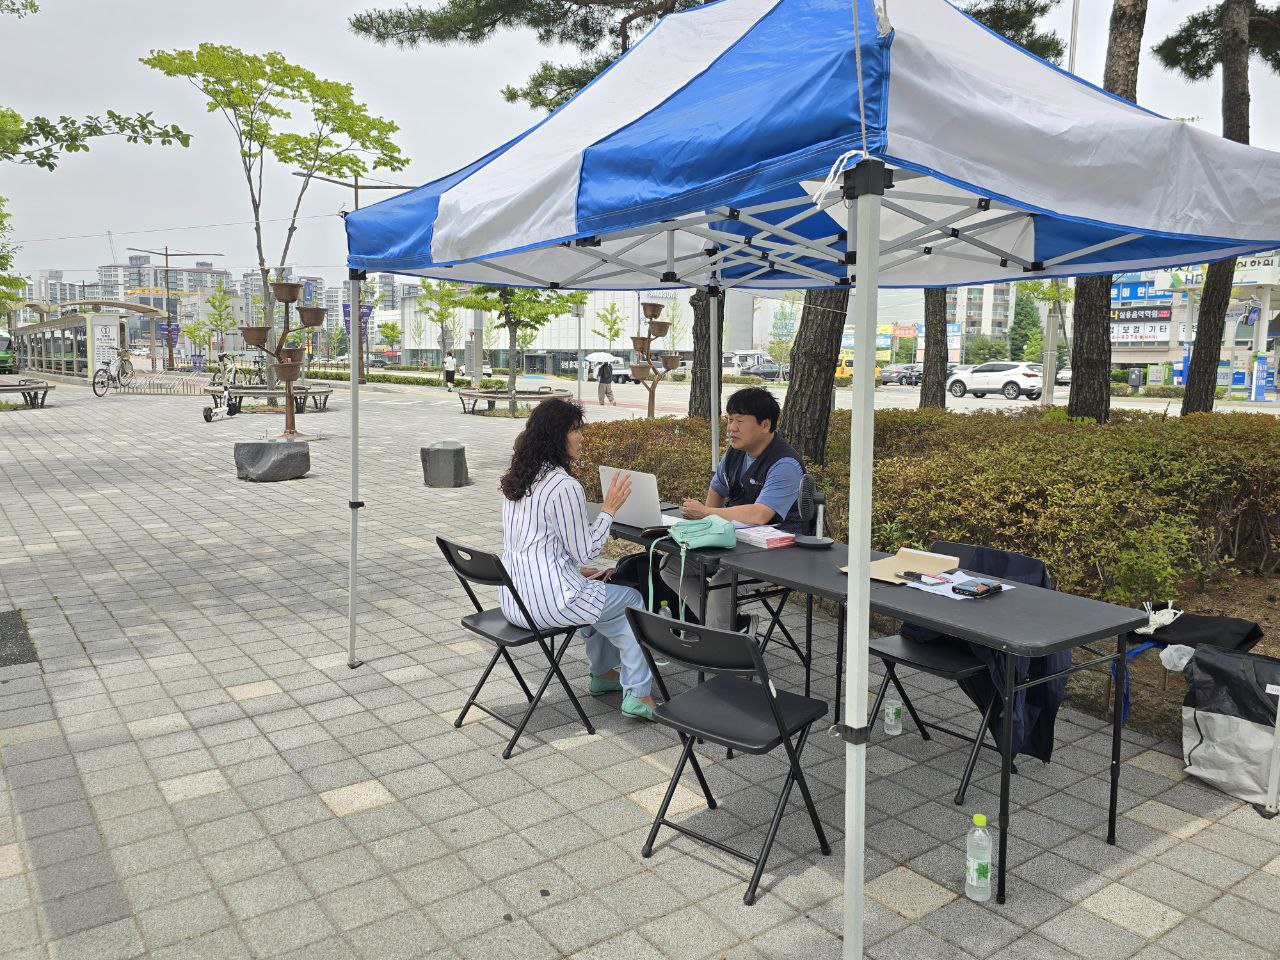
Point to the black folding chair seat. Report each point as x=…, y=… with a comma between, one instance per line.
x=496, y=628
x=952, y=661
x=477, y=567
x=729, y=710
x=735, y=713
x=948, y=659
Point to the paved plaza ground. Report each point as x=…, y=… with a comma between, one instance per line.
x=191, y=770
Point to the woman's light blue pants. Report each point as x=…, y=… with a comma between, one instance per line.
x=610, y=642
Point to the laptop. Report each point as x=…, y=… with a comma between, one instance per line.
x=643, y=508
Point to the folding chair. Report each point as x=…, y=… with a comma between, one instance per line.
x=948, y=660
x=730, y=710
x=812, y=503
x=484, y=569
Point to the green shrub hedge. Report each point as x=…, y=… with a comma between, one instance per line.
x=1127, y=511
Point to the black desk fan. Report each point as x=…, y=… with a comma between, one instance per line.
x=812, y=503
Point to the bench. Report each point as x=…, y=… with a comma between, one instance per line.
x=234, y=397
x=33, y=392
x=491, y=397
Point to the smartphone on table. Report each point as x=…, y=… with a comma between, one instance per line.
x=926, y=579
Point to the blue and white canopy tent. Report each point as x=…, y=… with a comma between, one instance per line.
x=815, y=143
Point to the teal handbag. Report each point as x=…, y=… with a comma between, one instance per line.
x=707, y=533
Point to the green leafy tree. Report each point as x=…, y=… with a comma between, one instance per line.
x=980, y=348
x=906, y=350
x=258, y=95
x=339, y=342
x=198, y=332
x=11, y=286
x=1056, y=294
x=445, y=301
x=782, y=334
x=222, y=316
x=520, y=309
x=1226, y=35
x=611, y=322
x=42, y=141
x=1026, y=321
x=389, y=331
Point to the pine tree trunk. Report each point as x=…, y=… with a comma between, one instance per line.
x=1202, y=378
x=700, y=375
x=1091, y=360
x=933, y=380
x=1091, y=351
x=806, y=416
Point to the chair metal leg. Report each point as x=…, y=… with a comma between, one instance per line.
x=977, y=748
x=879, y=701
x=480, y=683
x=528, y=695
x=552, y=671
x=911, y=707
x=564, y=683
x=702, y=781
x=808, y=642
x=803, y=783
x=647, y=850
x=794, y=775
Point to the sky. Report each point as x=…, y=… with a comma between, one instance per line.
x=81, y=56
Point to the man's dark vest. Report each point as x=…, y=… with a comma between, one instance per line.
x=745, y=489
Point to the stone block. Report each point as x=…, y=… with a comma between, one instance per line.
x=444, y=464
x=267, y=461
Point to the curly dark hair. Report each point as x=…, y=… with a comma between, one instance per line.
x=543, y=443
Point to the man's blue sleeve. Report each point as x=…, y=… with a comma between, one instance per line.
x=720, y=484
x=781, y=487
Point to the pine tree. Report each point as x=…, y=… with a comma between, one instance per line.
x=1224, y=35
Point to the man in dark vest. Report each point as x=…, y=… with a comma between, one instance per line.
x=757, y=482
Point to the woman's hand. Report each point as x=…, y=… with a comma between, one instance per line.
x=616, y=495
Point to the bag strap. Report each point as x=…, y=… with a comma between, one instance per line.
x=651, y=559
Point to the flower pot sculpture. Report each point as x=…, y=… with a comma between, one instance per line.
x=648, y=368
x=288, y=365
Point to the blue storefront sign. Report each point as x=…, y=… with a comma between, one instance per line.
x=1260, y=377
x=1141, y=291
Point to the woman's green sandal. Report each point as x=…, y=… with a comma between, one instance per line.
x=599, y=686
x=635, y=707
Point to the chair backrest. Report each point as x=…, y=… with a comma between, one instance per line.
x=702, y=648
x=965, y=552
x=472, y=565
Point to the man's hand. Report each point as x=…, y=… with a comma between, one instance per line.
x=694, y=510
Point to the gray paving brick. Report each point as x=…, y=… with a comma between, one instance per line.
x=113, y=941
x=265, y=892
x=183, y=920
x=284, y=930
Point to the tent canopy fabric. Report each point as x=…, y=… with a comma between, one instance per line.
x=701, y=150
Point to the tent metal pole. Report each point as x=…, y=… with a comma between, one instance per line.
x=713, y=381
x=864, y=184
x=356, y=339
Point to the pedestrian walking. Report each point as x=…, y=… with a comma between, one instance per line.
x=604, y=384
x=450, y=370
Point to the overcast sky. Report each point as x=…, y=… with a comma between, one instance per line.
x=78, y=56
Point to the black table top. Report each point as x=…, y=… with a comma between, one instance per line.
x=1027, y=621
x=704, y=559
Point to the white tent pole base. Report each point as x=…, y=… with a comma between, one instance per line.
x=354, y=503
x=866, y=183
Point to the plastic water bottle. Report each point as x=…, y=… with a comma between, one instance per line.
x=977, y=861
x=664, y=610
x=893, y=717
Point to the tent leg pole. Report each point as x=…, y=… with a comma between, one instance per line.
x=865, y=182
x=713, y=405
x=354, y=503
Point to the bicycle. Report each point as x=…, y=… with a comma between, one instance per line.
x=225, y=373
x=118, y=373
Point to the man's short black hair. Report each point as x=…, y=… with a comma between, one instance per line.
x=756, y=402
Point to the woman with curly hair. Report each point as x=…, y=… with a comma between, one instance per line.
x=546, y=542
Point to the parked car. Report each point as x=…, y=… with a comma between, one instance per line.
x=1063, y=379
x=904, y=373
x=377, y=361
x=766, y=370
x=1012, y=380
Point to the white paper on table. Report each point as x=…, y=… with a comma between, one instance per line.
x=944, y=589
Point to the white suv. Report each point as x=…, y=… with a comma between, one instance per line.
x=1012, y=380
